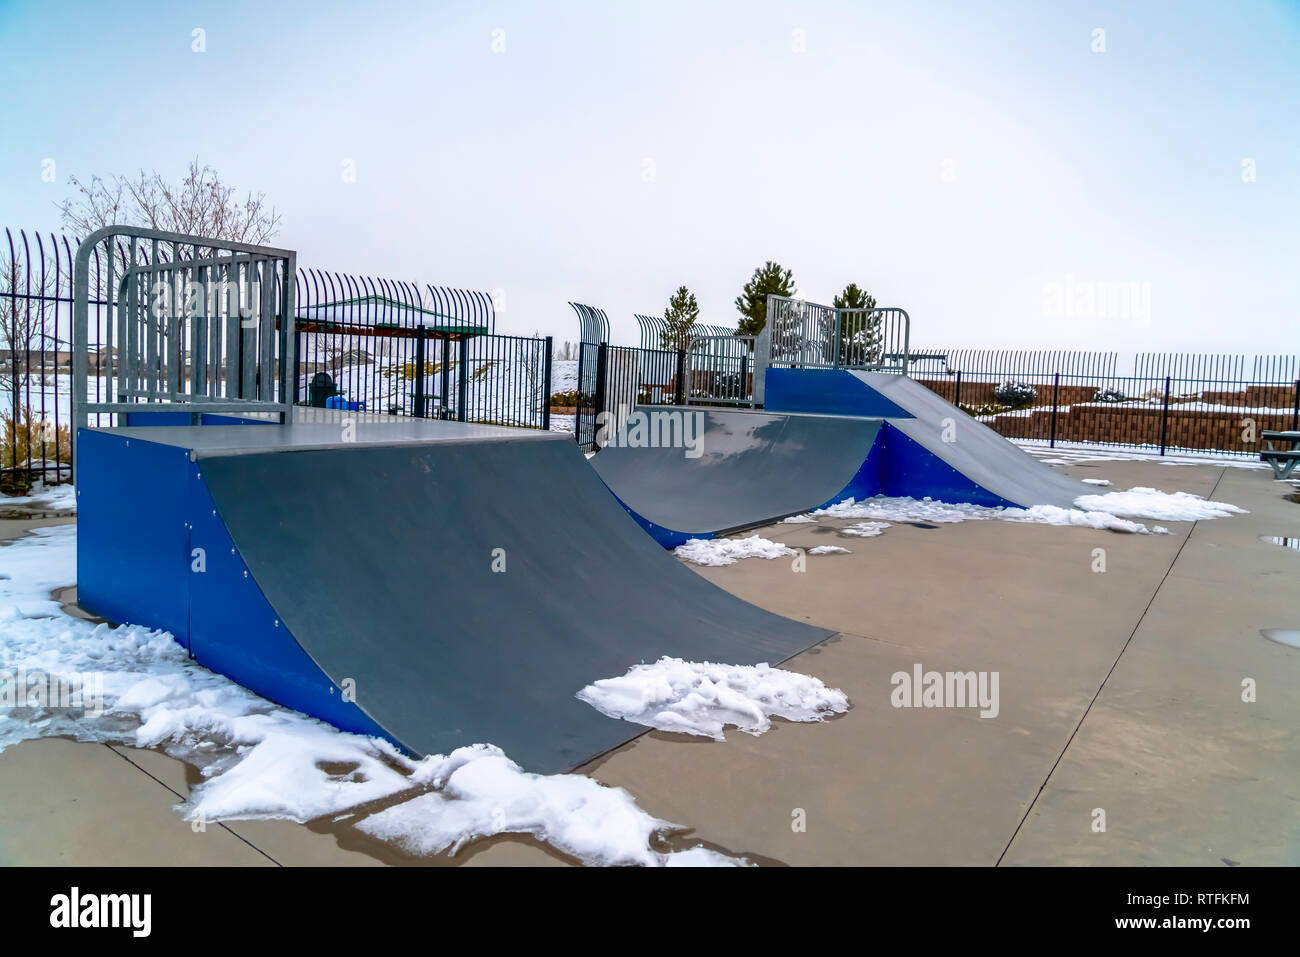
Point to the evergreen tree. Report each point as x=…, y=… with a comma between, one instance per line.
x=680, y=317
x=860, y=340
x=768, y=279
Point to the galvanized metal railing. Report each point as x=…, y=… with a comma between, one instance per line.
x=191, y=321
x=720, y=370
x=808, y=335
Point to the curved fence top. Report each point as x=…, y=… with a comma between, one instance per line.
x=347, y=299
x=655, y=333
x=593, y=324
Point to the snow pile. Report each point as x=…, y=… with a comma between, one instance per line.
x=866, y=529
x=259, y=760
x=829, y=550
x=56, y=498
x=1095, y=481
x=1055, y=515
x=481, y=792
x=1152, y=503
x=1091, y=511
x=888, y=509
x=798, y=520
x=699, y=697
x=728, y=551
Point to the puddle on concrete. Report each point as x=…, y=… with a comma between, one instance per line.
x=1283, y=636
x=1282, y=541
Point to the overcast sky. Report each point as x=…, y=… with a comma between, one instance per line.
x=988, y=167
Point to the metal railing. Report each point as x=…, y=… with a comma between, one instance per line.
x=808, y=335
x=365, y=332
x=720, y=370
x=191, y=321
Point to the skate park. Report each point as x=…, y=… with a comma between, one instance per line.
x=420, y=634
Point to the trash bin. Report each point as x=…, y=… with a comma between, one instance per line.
x=321, y=390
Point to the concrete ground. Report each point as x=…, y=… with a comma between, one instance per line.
x=1122, y=735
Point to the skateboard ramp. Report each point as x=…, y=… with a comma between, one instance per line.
x=748, y=468
x=975, y=451
x=436, y=583
x=929, y=447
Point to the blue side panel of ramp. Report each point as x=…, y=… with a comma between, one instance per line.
x=828, y=392
x=870, y=478
x=132, y=531
x=153, y=551
x=911, y=470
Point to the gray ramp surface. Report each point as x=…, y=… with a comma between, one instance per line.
x=979, y=453
x=379, y=561
x=755, y=467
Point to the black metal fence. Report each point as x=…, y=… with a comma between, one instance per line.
x=1153, y=402
x=397, y=347
x=1170, y=401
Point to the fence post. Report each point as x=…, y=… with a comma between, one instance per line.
x=602, y=361
x=546, y=385
x=744, y=380
x=956, y=399
x=577, y=396
x=299, y=338
x=679, y=398
x=1164, y=420
x=462, y=380
x=1295, y=415
x=1056, y=396
x=419, y=374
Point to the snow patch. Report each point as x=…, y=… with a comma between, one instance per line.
x=829, y=550
x=481, y=792
x=1144, y=502
x=866, y=529
x=700, y=697
x=728, y=551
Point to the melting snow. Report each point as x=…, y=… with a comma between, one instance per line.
x=829, y=550
x=1153, y=503
x=259, y=760
x=700, y=697
x=728, y=551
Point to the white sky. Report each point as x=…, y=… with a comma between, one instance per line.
x=524, y=170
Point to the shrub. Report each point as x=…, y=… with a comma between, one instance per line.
x=1109, y=395
x=1015, y=395
x=26, y=443
x=565, y=399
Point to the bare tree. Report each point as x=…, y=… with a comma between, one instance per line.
x=200, y=205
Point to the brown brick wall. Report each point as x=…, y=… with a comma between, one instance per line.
x=1188, y=427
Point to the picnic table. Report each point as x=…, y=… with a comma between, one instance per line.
x=1282, y=460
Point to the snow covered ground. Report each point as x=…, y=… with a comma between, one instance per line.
x=139, y=688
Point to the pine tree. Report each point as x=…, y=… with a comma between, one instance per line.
x=860, y=341
x=768, y=279
x=680, y=317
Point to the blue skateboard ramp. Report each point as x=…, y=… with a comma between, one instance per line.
x=434, y=583
x=929, y=446
x=751, y=468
